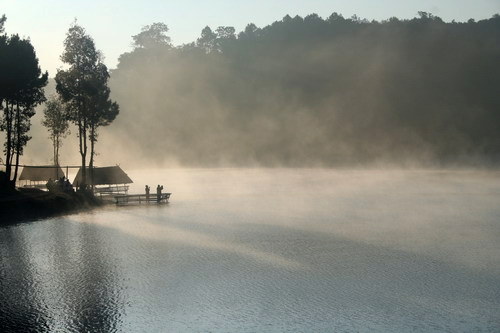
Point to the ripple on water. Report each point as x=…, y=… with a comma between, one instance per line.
x=348, y=251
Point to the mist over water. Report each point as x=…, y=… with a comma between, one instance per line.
x=266, y=250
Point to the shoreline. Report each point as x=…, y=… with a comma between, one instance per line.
x=31, y=205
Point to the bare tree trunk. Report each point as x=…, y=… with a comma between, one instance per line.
x=81, y=135
x=54, y=149
x=18, y=141
x=8, y=148
x=92, y=145
x=54, y=158
x=11, y=158
x=16, y=168
x=82, y=127
x=57, y=151
x=84, y=155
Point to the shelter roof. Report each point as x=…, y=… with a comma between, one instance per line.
x=41, y=173
x=104, y=176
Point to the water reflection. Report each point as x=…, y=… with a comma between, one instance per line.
x=21, y=307
x=57, y=277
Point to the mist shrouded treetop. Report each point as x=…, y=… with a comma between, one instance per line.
x=312, y=91
x=54, y=119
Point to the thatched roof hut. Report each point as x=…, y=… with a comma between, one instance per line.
x=41, y=173
x=104, y=176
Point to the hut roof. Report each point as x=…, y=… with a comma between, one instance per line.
x=104, y=176
x=41, y=173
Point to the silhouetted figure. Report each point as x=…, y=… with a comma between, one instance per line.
x=50, y=185
x=68, y=188
x=60, y=185
x=158, y=193
x=147, y=188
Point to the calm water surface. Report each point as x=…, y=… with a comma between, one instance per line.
x=252, y=250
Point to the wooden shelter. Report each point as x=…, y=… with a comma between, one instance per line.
x=113, y=177
x=38, y=176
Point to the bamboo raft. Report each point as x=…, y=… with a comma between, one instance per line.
x=139, y=199
x=111, y=190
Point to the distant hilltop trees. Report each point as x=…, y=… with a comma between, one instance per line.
x=315, y=91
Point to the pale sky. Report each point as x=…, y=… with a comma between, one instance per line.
x=112, y=22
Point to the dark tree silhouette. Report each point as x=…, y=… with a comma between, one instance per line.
x=208, y=40
x=21, y=90
x=153, y=35
x=73, y=84
x=83, y=88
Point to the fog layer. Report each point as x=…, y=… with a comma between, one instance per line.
x=312, y=92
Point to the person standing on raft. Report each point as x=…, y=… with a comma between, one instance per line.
x=147, y=193
x=158, y=193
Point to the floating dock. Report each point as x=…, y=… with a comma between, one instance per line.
x=141, y=199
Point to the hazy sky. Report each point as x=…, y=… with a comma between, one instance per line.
x=112, y=22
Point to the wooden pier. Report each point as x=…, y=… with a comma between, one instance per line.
x=140, y=199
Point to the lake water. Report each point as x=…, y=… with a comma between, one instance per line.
x=266, y=250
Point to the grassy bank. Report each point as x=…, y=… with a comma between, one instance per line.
x=32, y=204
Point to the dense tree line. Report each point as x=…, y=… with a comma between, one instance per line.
x=314, y=91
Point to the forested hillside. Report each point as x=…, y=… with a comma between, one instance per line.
x=315, y=92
